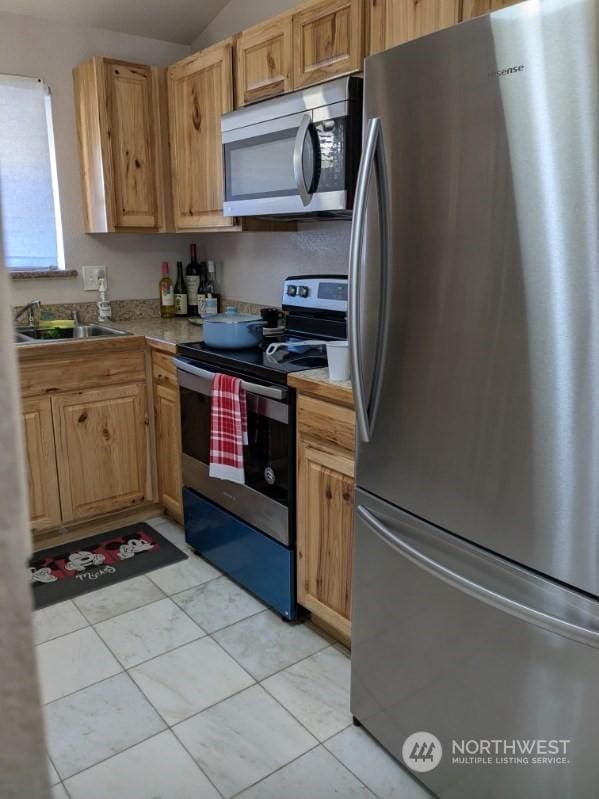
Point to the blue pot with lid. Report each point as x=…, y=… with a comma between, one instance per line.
x=232, y=330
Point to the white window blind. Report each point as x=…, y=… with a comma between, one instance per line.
x=29, y=211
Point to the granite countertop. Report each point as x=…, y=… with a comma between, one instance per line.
x=162, y=333
x=317, y=382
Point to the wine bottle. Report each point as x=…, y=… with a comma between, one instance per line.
x=192, y=281
x=167, y=293
x=212, y=298
x=202, y=288
x=180, y=292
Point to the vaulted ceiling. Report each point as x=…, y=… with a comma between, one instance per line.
x=172, y=20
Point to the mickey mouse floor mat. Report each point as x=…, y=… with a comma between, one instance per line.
x=81, y=566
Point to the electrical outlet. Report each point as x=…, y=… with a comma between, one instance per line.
x=91, y=275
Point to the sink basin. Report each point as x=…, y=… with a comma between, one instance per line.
x=31, y=335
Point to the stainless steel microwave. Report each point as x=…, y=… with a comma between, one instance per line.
x=295, y=155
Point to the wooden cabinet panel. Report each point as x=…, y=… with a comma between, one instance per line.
x=200, y=90
x=168, y=449
x=163, y=369
x=325, y=529
x=129, y=112
x=42, y=475
x=102, y=445
x=393, y=22
x=474, y=8
x=328, y=40
x=121, y=141
x=264, y=58
x=76, y=372
x=327, y=422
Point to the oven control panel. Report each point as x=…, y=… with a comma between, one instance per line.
x=316, y=292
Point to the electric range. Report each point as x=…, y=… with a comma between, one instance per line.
x=248, y=531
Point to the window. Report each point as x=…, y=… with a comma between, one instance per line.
x=29, y=209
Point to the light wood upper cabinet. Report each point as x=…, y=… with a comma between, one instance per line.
x=474, y=8
x=393, y=22
x=200, y=90
x=168, y=434
x=264, y=60
x=328, y=40
x=42, y=474
x=102, y=444
x=123, y=146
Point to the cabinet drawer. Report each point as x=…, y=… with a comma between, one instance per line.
x=74, y=373
x=324, y=421
x=163, y=369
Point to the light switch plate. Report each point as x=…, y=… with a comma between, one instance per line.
x=91, y=275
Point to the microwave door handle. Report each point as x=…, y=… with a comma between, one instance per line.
x=271, y=392
x=298, y=159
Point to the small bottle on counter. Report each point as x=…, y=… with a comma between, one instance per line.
x=180, y=292
x=167, y=293
x=192, y=281
x=212, y=298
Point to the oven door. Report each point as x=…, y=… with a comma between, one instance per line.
x=290, y=165
x=265, y=499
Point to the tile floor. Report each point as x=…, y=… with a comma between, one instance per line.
x=180, y=685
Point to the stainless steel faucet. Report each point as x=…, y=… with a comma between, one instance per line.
x=31, y=320
x=76, y=318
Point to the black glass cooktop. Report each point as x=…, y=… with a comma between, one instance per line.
x=255, y=361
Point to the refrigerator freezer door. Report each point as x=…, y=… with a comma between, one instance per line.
x=488, y=420
x=450, y=640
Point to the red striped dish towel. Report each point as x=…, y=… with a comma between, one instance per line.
x=228, y=429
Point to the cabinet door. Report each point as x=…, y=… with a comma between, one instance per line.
x=42, y=475
x=325, y=528
x=122, y=146
x=328, y=40
x=263, y=58
x=131, y=136
x=474, y=8
x=168, y=448
x=102, y=446
x=393, y=22
x=200, y=91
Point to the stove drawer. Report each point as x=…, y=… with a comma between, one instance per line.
x=255, y=561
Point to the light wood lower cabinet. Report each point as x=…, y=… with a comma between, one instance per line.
x=102, y=444
x=325, y=497
x=42, y=474
x=167, y=416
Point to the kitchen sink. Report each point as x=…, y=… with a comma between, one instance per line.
x=32, y=335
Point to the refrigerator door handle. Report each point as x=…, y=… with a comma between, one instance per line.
x=500, y=600
x=373, y=159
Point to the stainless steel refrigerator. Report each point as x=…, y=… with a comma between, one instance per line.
x=475, y=355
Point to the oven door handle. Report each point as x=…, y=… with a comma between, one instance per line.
x=272, y=392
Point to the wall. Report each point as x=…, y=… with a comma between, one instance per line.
x=22, y=748
x=34, y=47
x=252, y=266
x=237, y=15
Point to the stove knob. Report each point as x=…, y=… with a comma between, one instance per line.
x=292, y=291
x=304, y=291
